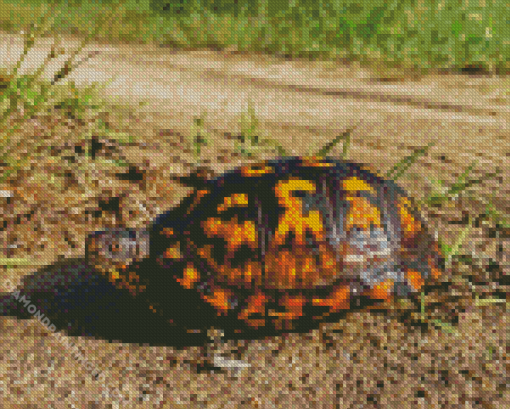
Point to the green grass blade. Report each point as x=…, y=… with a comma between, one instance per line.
x=406, y=162
x=328, y=147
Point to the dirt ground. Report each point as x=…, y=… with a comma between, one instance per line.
x=366, y=359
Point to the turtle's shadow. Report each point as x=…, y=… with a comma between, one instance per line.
x=82, y=302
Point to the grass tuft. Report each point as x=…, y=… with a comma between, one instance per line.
x=409, y=35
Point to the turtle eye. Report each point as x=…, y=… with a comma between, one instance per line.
x=114, y=248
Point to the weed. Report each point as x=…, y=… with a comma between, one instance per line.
x=405, y=163
x=199, y=136
x=346, y=136
x=250, y=143
x=27, y=96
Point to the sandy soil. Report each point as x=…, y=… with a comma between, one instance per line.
x=367, y=359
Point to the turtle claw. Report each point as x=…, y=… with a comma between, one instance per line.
x=219, y=361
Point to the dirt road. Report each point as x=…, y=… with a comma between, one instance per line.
x=299, y=103
x=302, y=105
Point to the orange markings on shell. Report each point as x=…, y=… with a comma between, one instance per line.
x=249, y=275
x=256, y=170
x=190, y=277
x=410, y=226
x=362, y=214
x=339, y=299
x=173, y=253
x=232, y=232
x=371, y=170
x=296, y=269
x=293, y=218
x=357, y=185
x=415, y=279
x=199, y=194
x=168, y=232
x=293, y=309
x=381, y=291
x=315, y=162
x=130, y=282
x=436, y=273
x=236, y=200
x=256, y=305
x=219, y=299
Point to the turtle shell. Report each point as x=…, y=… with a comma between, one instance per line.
x=274, y=243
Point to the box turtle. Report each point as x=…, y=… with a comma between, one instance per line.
x=278, y=243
